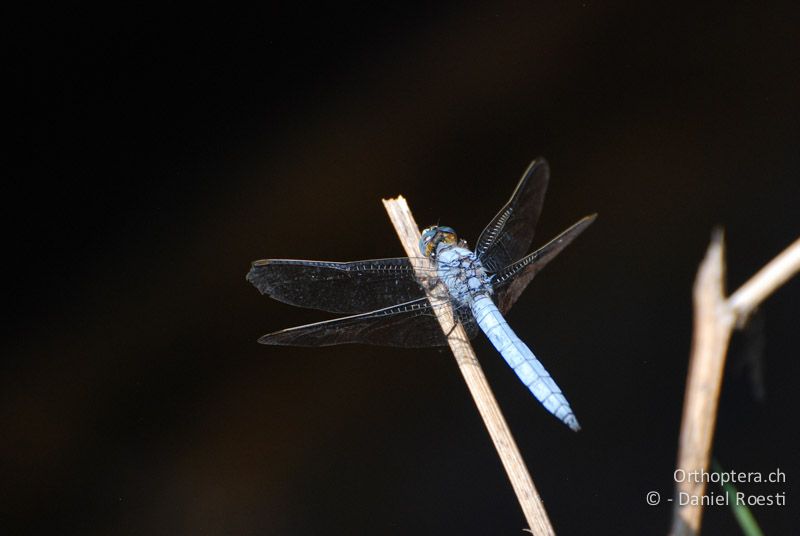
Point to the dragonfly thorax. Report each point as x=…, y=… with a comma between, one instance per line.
x=462, y=273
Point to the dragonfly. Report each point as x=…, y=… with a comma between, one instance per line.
x=392, y=301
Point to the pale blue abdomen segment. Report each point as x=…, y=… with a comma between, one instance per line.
x=529, y=369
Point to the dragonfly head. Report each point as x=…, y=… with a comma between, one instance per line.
x=435, y=235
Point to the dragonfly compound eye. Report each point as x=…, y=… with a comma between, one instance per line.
x=427, y=245
x=433, y=236
x=448, y=236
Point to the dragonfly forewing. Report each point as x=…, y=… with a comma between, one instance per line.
x=342, y=287
x=510, y=233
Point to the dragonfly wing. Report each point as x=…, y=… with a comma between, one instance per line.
x=510, y=233
x=338, y=287
x=408, y=325
x=511, y=281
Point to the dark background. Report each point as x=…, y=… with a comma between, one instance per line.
x=165, y=150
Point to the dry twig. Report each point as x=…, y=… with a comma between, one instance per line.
x=714, y=319
x=510, y=456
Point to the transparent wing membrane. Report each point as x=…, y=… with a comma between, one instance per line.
x=340, y=287
x=408, y=325
x=510, y=233
x=511, y=281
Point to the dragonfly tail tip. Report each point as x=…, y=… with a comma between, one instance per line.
x=572, y=422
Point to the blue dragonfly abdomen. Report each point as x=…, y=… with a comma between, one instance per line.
x=469, y=285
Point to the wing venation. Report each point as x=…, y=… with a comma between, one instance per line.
x=510, y=233
x=408, y=325
x=511, y=281
x=338, y=287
